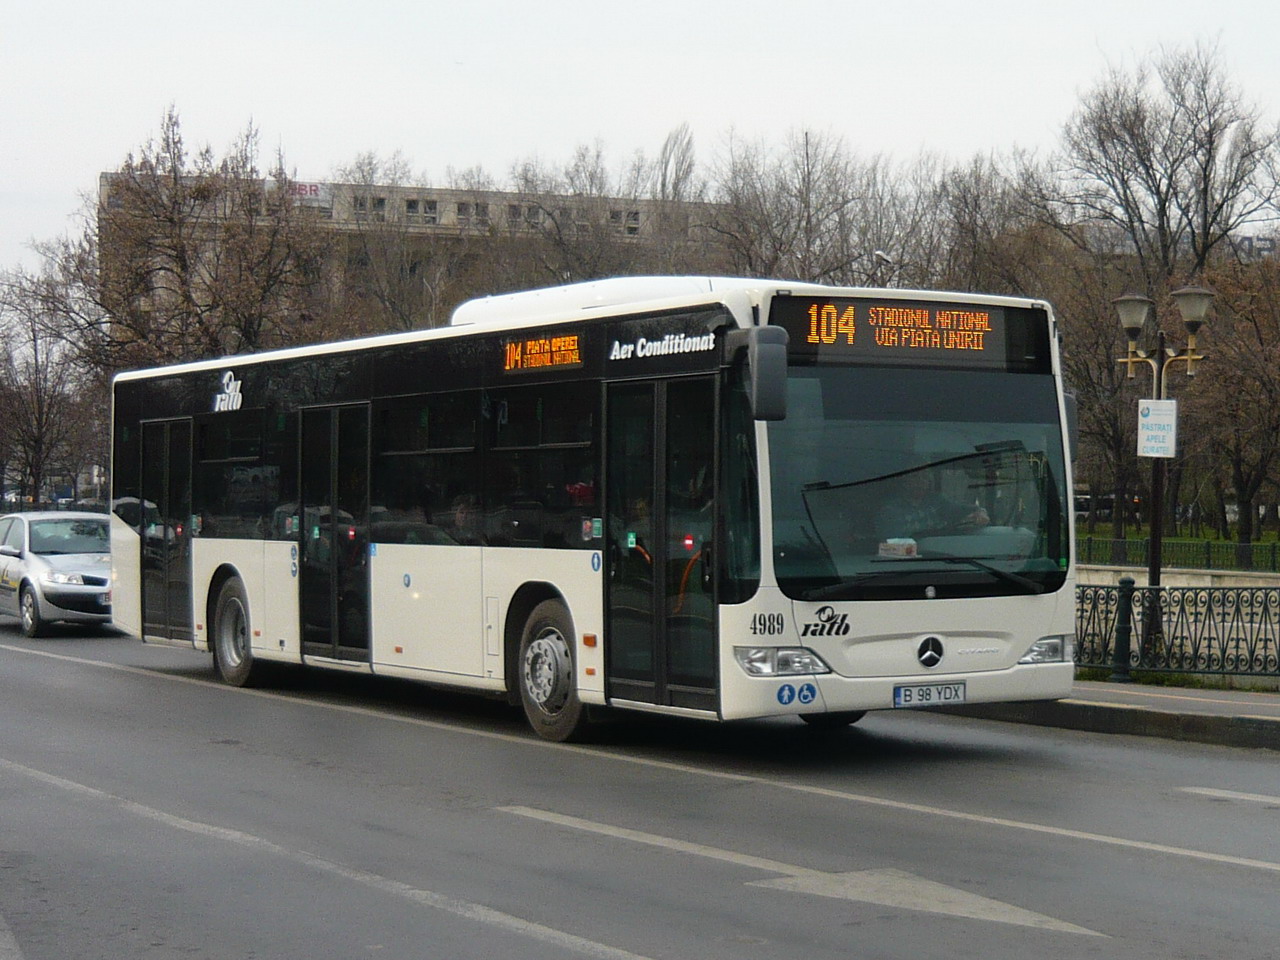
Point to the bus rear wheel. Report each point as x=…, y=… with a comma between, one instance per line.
x=231, y=650
x=545, y=674
x=835, y=720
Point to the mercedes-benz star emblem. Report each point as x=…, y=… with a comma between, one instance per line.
x=930, y=652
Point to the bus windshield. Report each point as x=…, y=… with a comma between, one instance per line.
x=898, y=483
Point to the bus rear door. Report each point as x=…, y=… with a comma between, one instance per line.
x=164, y=525
x=333, y=586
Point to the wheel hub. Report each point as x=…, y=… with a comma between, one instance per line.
x=231, y=636
x=547, y=670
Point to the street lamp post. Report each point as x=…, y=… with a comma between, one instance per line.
x=1193, y=304
x=1132, y=309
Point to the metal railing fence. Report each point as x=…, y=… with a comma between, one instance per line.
x=1186, y=554
x=1206, y=630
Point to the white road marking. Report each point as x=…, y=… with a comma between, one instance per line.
x=1231, y=795
x=888, y=888
x=462, y=908
x=1136, y=707
x=9, y=949
x=704, y=772
x=1263, y=700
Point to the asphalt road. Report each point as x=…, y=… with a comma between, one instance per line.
x=150, y=812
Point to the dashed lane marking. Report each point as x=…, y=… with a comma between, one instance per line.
x=885, y=887
x=461, y=908
x=1231, y=795
x=1206, y=856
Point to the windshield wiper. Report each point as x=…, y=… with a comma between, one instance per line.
x=1007, y=576
x=835, y=591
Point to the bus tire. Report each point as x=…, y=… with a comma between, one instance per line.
x=835, y=720
x=231, y=650
x=29, y=610
x=546, y=676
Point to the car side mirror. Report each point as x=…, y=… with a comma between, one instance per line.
x=8, y=551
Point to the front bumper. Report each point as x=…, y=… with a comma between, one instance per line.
x=788, y=696
x=87, y=604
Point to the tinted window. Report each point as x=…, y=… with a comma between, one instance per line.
x=438, y=422
x=541, y=466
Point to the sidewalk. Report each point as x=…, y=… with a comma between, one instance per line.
x=1234, y=718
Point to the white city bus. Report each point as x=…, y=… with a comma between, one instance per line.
x=714, y=498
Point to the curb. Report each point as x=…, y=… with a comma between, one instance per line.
x=1227, y=731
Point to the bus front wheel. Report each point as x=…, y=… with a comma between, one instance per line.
x=546, y=674
x=231, y=651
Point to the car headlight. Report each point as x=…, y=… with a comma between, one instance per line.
x=779, y=661
x=1051, y=650
x=57, y=576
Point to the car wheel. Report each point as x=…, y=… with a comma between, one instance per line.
x=231, y=651
x=32, y=623
x=834, y=720
x=548, y=690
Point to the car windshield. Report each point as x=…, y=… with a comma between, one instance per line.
x=70, y=535
x=896, y=483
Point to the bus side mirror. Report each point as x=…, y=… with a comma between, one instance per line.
x=1073, y=424
x=766, y=369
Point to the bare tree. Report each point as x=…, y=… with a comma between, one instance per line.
x=37, y=379
x=184, y=256
x=676, y=168
x=399, y=271
x=1241, y=411
x=787, y=214
x=1159, y=166
x=582, y=221
x=1163, y=164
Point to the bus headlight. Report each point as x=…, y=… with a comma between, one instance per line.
x=1051, y=650
x=779, y=661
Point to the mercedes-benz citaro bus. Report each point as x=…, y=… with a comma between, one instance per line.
x=703, y=497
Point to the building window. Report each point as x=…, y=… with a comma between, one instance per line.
x=473, y=214
x=625, y=221
x=370, y=208
x=411, y=213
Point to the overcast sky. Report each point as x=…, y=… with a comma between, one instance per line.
x=491, y=82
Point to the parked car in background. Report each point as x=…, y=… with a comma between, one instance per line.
x=55, y=565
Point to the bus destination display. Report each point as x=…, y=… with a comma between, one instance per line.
x=893, y=331
x=543, y=353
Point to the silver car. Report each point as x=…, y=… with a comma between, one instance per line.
x=55, y=566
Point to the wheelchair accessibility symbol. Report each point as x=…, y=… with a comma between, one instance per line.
x=807, y=693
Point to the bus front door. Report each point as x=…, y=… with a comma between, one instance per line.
x=661, y=645
x=333, y=573
x=164, y=525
